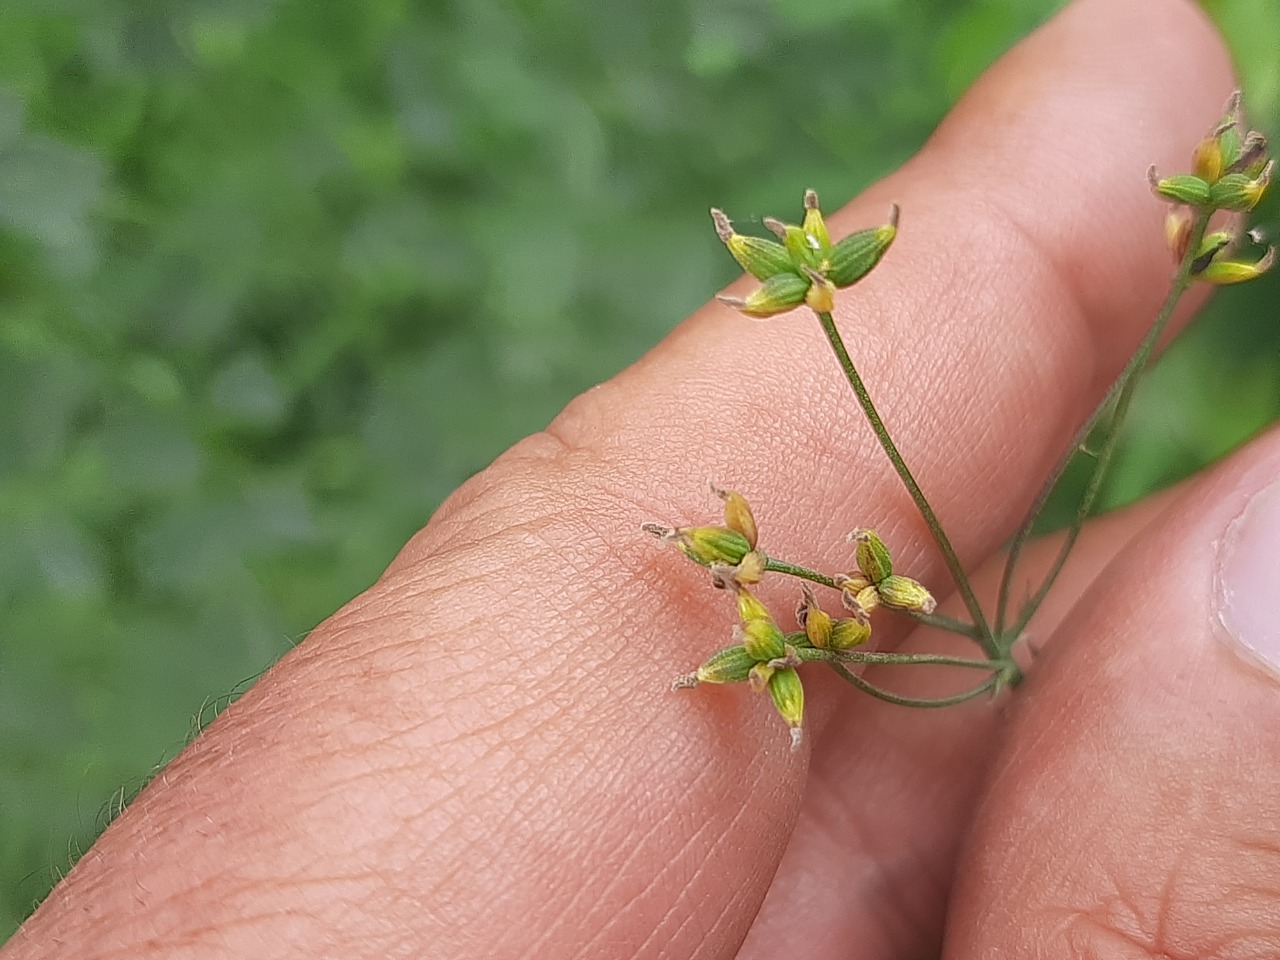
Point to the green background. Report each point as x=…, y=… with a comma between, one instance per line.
x=276, y=275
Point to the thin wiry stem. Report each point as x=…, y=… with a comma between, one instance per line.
x=985, y=637
x=882, y=657
x=943, y=622
x=1042, y=498
x=774, y=565
x=1124, y=389
x=881, y=694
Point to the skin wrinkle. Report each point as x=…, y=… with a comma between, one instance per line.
x=605, y=927
x=719, y=839
x=693, y=841
x=677, y=859
x=1089, y=937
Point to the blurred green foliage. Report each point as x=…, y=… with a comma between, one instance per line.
x=276, y=275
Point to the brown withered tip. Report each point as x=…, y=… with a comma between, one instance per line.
x=811, y=199
x=776, y=227
x=789, y=658
x=659, y=530
x=1253, y=149
x=724, y=226
x=736, y=302
x=894, y=212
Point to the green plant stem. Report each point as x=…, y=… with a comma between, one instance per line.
x=1029, y=521
x=1124, y=388
x=985, y=637
x=881, y=694
x=942, y=622
x=774, y=565
x=901, y=659
x=939, y=620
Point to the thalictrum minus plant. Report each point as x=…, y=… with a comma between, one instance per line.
x=1231, y=170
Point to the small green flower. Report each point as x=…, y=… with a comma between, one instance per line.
x=1181, y=188
x=1224, y=272
x=729, y=550
x=903, y=593
x=872, y=555
x=759, y=655
x=704, y=545
x=805, y=267
x=737, y=514
x=876, y=584
x=1239, y=191
x=1230, y=171
x=788, y=697
x=828, y=634
x=730, y=665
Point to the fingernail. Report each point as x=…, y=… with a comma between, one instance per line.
x=1247, y=591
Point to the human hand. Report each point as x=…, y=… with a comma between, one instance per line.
x=481, y=756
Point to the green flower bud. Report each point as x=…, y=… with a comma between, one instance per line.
x=1183, y=188
x=872, y=555
x=730, y=665
x=1240, y=192
x=737, y=514
x=759, y=257
x=762, y=639
x=817, y=626
x=1212, y=245
x=1228, y=135
x=1223, y=272
x=778, y=294
x=853, y=257
x=850, y=632
x=903, y=593
x=708, y=545
x=804, y=248
x=750, y=608
x=1215, y=242
x=788, y=696
x=1206, y=162
x=813, y=224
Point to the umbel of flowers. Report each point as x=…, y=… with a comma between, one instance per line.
x=760, y=653
x=1231, y=170
x=802, y=266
